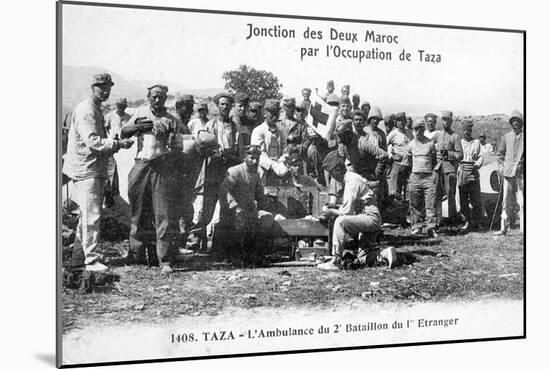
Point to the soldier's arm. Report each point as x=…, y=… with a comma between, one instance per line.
x=479, y=155
x=456, y=152
x=227, y=201
x=380, y=155
x=87, y=129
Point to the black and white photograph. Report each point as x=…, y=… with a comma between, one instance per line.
x=238, y=183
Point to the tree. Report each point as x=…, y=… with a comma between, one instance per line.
x=259, y=85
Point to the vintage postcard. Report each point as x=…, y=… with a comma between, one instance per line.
x=239, y=184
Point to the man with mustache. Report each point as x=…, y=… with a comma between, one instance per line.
x=86, y=163
x=154, y=183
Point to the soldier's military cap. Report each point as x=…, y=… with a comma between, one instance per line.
x=333, y=160
x=253, y=150
x=419, y=123
x=389, y=118
x=293, y=159
x=467, y=123
x=445, y=114
x=344, y=126
x=272, y=105
x=401, y=116
x=186, y=99
x=255, y=106
x=217, y=98
x=102, y=79
x=430, y=115
x=289, y=101
x=202, y=105
x=163, y=88
x=242, y=98
x=122, y=101
x=359, y=112
x=306, y=89
x=516, y=114
x=482, y=134
x=363, y=103
x=333, y=99
x=345, y=100
x=375, y=112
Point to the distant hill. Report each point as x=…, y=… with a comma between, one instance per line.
x=76, y=85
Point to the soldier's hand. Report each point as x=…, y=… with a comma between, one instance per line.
x=125, y=143
x=143, y=124
x=160, y=129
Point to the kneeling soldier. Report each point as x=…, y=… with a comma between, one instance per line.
x=357, y=214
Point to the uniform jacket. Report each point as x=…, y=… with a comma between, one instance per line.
x=451, y=143
x=241, y=188
x=510, y=154
x=88, y=148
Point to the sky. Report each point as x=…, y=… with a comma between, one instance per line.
x=481, y=72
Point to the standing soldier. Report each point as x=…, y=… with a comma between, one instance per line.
x=410, y=127
x=359, y=121
x=117, y=118
x=184, y=111
x=154, y=183
x=199, y=123
x=297, y=134
x=511, y=160
x=449, y=154
x=357, y=214
x=431, y=132
x=296, y=128
x=468, y=178
x=355, y=99
x=113, y=124
x=397, y=150
x=255, y=113
x=377, y=134
x=365, y=106
x=330, y=91
x=243, y=123
x=345, y=91
x=271, y=137
x=344, y=113
x=316, y=152
x=421, y=151
x=86, y=161
x=306, y=94
x=486, y=148
x=225, y=131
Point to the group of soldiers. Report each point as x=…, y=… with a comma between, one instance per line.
x=187, y=164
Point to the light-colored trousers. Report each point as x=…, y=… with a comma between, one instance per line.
x=89, y=197
x=511, y=198
x=347, y=227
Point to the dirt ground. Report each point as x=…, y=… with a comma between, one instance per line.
x=454, y=267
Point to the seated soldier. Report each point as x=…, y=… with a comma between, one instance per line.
x=358, y=214
x=294, y=177
x=242, y=225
